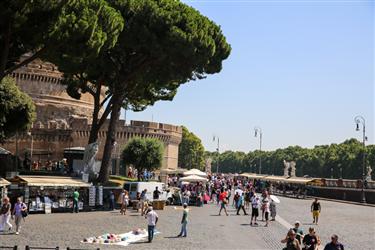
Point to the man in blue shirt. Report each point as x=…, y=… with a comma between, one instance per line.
x=241, y=203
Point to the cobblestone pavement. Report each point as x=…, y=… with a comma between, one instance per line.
x=206, y=230
x=354, y=224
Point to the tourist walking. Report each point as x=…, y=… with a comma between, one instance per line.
x=184, y=221
x=315, y=210
x=266, y=207
x=223, y=202
x=75, y=201
x=291, y=241
x=236, y=197
x=152, y=220
x=142, y=201
x=254, y=210
x=241, y=204
x=334, y=244
x=19, y=213
x=273, y=210
x=298, y=231
x=247, y=199
x=111, y=201
x=311, y=240
x=5, y=213
x=124, y=202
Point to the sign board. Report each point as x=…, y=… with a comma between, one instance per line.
x=85, y=177
x=47, y=208
x=100, y=196
x=92, y=193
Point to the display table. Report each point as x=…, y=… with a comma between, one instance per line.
x=158, y=205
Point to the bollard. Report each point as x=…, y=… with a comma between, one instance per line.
x=68, y=248
x=15, y=247
x=27, y=248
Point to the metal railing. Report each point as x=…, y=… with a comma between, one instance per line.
x=43, y=248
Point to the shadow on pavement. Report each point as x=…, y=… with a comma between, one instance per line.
x=171, y=237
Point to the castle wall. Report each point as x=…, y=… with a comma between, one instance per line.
x=63, y=122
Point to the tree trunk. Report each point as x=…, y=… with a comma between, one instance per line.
x=95, y=117
x=111, y=138
x=4, y=53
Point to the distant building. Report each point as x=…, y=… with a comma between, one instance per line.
x=63, y=122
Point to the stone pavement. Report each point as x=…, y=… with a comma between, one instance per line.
x=354, y=224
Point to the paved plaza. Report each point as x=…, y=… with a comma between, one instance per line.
x=354, y=224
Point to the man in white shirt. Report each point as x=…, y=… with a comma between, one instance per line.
x=152, y=219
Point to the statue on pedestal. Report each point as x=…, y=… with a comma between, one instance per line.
x=289, y=166
x=368, y=175
x=89, y=158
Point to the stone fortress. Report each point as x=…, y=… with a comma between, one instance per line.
x=64, y=123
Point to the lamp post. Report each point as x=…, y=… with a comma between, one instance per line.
x=360, y=120
x=331, y=173
x=218, y=152
x=341, y=172
x=256, y=131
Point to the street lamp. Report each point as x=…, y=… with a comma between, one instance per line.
x=360, y=120
x=256, y=131
x=218, y=152
x=331, y=173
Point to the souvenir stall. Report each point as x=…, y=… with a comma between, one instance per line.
x=51, y=193
x=3, y=188
x=196, y=187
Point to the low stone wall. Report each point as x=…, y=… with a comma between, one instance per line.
x=348, y=194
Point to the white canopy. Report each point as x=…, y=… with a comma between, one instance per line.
x=195, y=171
x=193, y=178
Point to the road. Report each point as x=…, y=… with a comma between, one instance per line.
x=354, y=224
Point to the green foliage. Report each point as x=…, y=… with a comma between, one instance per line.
x=344, y=158
x=17, y=110
x=164, y=44
x=191, y=152
x=143, y=154
x=54, y=30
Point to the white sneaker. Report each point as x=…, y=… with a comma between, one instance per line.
x=17, y=233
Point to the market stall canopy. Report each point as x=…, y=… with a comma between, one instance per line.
x=50, y=181
x=4, y=182
x=300, y=180
x=195, y=171
x=193, y=178
x=3, y=151
x=253, y=176
x=276, y=178
x=173, y=171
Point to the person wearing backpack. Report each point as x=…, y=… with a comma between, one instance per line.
x=19, y=212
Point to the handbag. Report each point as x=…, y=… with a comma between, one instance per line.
x=24, y=214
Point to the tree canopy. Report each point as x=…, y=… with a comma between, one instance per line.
x=339, y=160
x=164, y=44
x=191, y=153
x=143, y=153
x=53, y=29
x=17, y=110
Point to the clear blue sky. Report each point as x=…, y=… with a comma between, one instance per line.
x=301, y=70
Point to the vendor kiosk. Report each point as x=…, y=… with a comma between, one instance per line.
x=50, y=193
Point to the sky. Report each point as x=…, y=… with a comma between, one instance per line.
x=299, y=70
